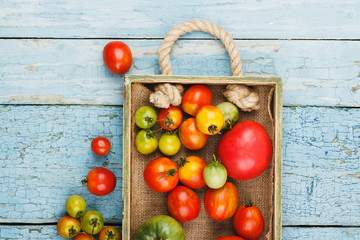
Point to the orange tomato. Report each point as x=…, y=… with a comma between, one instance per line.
x=84, y=237
x=190, y=135
x=68, y=227
x=174, y=120
x=110, y=232
x=191, y=172
x=195, y=97
x=209, y=120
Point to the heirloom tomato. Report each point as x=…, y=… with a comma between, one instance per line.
x=245, y=150
x=161, y=175
x=191, y=172
x=145, y=117
x=195, y=97
x=215, y=174
x=100, y=181
x=183, y=204
x=68, y=227
x=230, y=112
x=170, y=118
x=117, y=57
x=75, y=206
x=84, y=237
x=221, y=204
x=110, y=233
x=209, y=120
x=229, y=238
x=169, y=143
x=190, y=135
x=146, y=142
x=160, y=227
x=100, y=146
x=248, y=222
x=92, y=222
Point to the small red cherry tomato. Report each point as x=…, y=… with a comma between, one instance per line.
x=183, y=204
x=209, y=120
x=190, y=135
x=117, y=57
x=191, y=172
x=161, y=175
x=84, y=237
x=229, y=238
x=221, y=204
x=170, y=118
x=100, y=181
x=100, y=146
x=195, y=97
x=248, y=222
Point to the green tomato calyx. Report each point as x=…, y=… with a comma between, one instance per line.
x=171, y=172
x=72, y=231
x=183, y=161
x=94, y=222
x=213, y=130
x=110, y=235
x=249, y=204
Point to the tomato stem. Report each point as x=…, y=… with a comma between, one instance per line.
x=94, y=222
x=171, y=172
x=249, y=204
x=213, y=129
x=228, y=124
x=110, y=235
x=149, y=120
x=72, y=231
x=183, y=161
x=168, y=122
x=215, y=160
x=84, y=182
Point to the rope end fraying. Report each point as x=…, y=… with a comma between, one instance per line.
x=246, y=99
x=166, y=95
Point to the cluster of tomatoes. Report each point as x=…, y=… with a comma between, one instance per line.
x=221, y=199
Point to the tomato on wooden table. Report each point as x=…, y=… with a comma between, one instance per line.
x=248, y=222
x=92, y=222
x=84, y=237
x=100, y=146
x=195, y=97
x=100, y=181
x=191, y=172
x=68, y=227
x=190, y=135
x=221, y=204
x=75, y=206
x=161, y=175
x=183, y=204
x=110, y=233
x=209, y=120
x=229, y=238
x=117, y=57
x=170, y=118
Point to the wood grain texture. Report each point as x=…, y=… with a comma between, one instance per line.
x=315, y=73
x=321, y=19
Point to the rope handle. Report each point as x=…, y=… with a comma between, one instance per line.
x=198, y=25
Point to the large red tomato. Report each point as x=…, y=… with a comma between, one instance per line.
x=183, y=204
x=161, y=175
x=245, y=150
x=248, y=222
x=100, y=181
x=195, y=97
x=229, y=238
x=117, y=57
x=191, y=172
x=221, y=204
x=190, y=135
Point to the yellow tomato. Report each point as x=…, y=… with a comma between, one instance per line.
x=209, y=120
x=191, y=172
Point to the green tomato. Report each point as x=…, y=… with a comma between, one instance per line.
x=230, y=112
x=145, y=117
x=169, y=144
x=215, y=174
x=160, y=227
x=146, y=142
x=92, y=222
x=75, y=206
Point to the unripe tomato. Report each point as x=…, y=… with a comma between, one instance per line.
x=209, y=120
x=145, y=117
x=68, y=227
x=92, y=222
x=110, y=233
x=230, y=112
x=117, y=57
x=169, y=144
x=248, y=222
x=215, y=174
x=146, y=142
x=190, y=135
x=100, y=181
x=170, y=118
x=75, y=206
x=191, y=172
x=195, y=97
x=100, y=146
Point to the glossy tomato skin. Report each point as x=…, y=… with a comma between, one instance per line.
x=145, y=117
x=248, y=222
x=183, y=204
x=100, y=181
x=169, y=144
x=161, y=175
x=75, y=206
x=92, y=222
x=209, y=120
x=190, y=135
x=146, y=142
x=191, y=172
x=221, y=204
x=68, y=227
x=117, y=57
x=110, y=232
x=175, y=116
x=100, y=146
x=245, y=150
x=84, y=237
x=195, y=97
x=229, y=238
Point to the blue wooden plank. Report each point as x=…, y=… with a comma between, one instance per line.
x=315, y=73
x=326, y=19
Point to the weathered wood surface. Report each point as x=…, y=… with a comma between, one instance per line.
x=316, y=73
x=324, y=19
x=49, y=153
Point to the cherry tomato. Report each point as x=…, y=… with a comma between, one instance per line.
x=145, y=117
x=245, y=150
x=75, y=206
x=248, y=222
x=172, y=118
x=183, y=204
x=68, y=227
x=209, y=120
x=221, y=204
x=195, y=97
x=229, y=238
x=190, y=135
x=161, y=175
x=215, y=174
x=100, y=181
x=191, y=172
x=230, y=112
x=146, y=142
x=169, y=144
x=84, y=237
x=117, y=57
x=92, y=222
x=100, y=146
x=110, y=233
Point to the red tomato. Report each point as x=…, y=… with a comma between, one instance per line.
x=191, y=172
x=248, y=222
x=190, y=135
x=117, y=57
x=100, y=181
x=100, y=146
x=245, y=150
x=110, y=233
x=183, y=204
x=161, y=175
x=174, y=120
x=229, y=238
x=195, y=97
x=209, y=120
x=221, y=204
x=68, y=227
x=84, y=237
